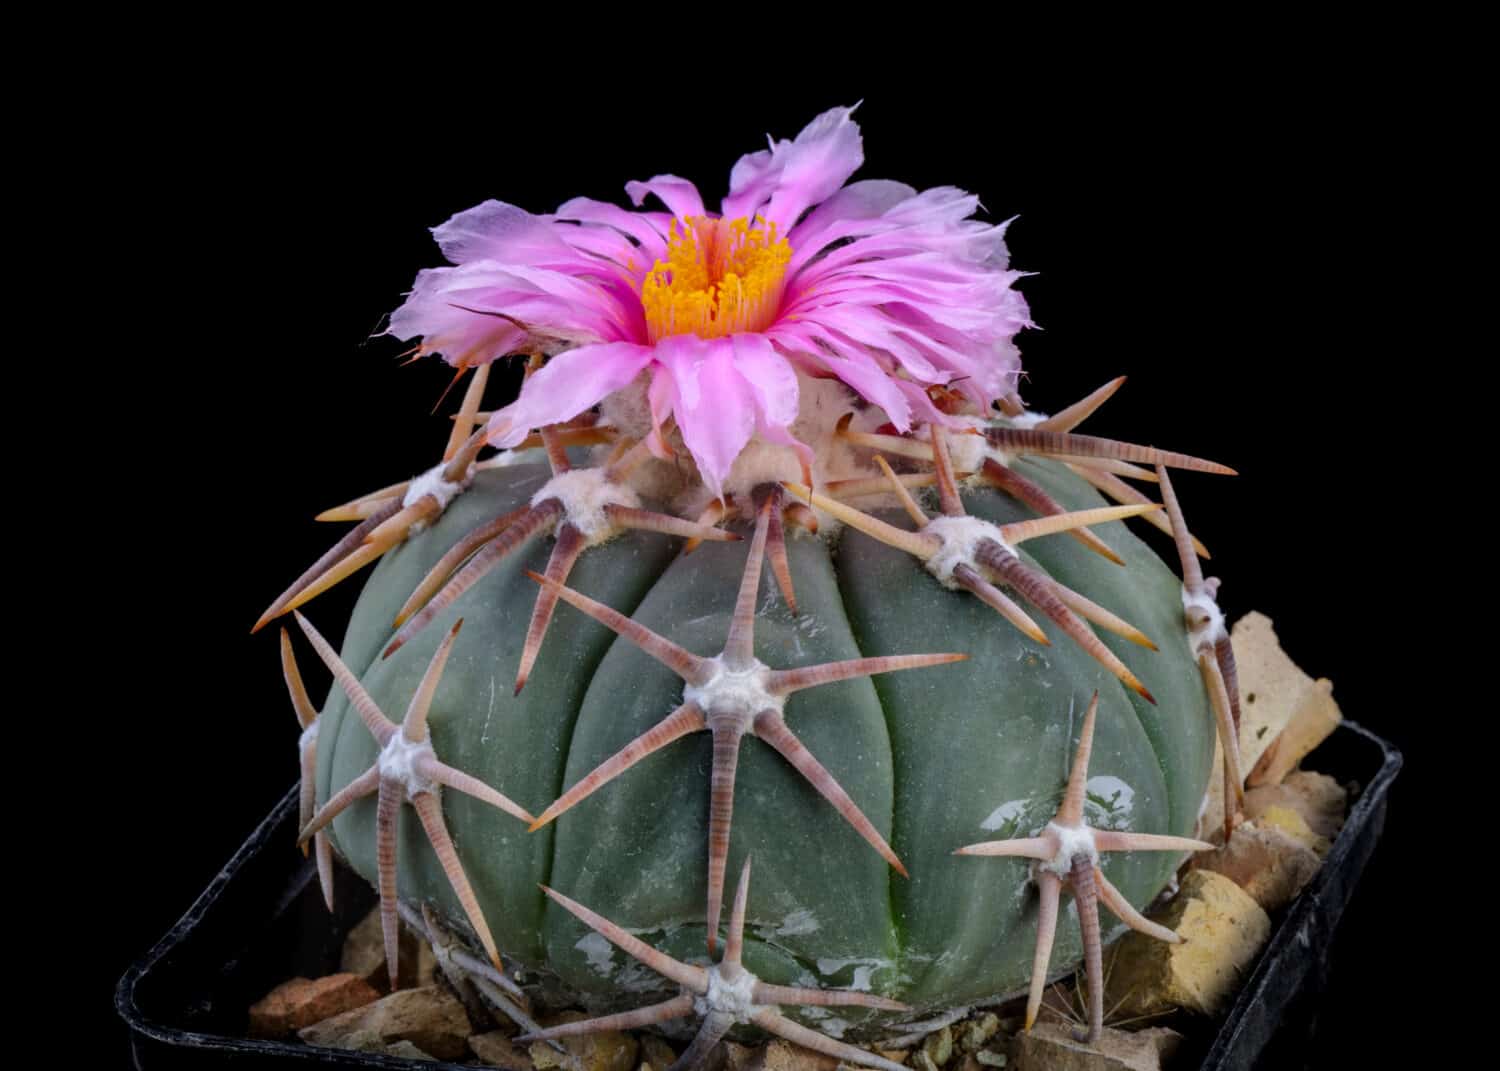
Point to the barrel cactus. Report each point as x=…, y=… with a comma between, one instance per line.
x=772, y=565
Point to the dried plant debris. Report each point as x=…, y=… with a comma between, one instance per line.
x=1052, y=1047
x=1286, y=712
x=430, y=1018
x=1222, y=930
x=302, y=1002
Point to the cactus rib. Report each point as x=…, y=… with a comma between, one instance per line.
x=407, y=769
x=1067, y=851
x=1215, y=654
x=307, y=746
x=992, y=558
x=388, y=518
x=573, y=534
x=725, y=994
x=731, y=694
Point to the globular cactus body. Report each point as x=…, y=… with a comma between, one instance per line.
x=936, y=757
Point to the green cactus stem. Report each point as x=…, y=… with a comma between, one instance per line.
x=917, y=762
x=407, y=770
x=724, y=994
x=1067, y=852
x=730, y=695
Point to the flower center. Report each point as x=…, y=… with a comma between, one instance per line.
x=720, y=276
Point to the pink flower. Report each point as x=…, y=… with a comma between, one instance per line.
x=889, y=290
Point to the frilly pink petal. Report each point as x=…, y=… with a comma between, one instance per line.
x=661, y=395
x=640, y=227
x=721, y=392
x=565, y=386
x=773, y=381
x=784, y=181
x=679, y=195
x=922, y=406
x=826, y=352
x=868, y=199
x=715, y=412
x=936, y=206
x=817, y=163
x=499, y=231
x=751, y=181
x=873, y=329
x=509, y=296
x=461, y=338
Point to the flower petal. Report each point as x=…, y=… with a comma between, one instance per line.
x=640, y=227
x=679, y=195
x=792, y=176
x=567, y=385
x=496, y=230
x=825, y=154
x=868, y=199
x=868, y=326
x=937, y=205
x=773, y=383
x=750, y=183
x=661, y=395
x=462, y=338
x=922, y=405
x=605, y=243
x=714, y=406
x=851, y=364
x=550, y=302
x=771, y=380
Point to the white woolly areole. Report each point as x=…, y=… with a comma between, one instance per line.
x=1028, y=419
x=628, y=411
x=821, y=404
x=432, y=484
x=1072, y=842
x=978, y=423
x=967, y=452
x=1212, y=630
x=735, y=998
x=506, y=458
x=584, y=493
x=960, y=536
x=741, y=694
x=309, y=737
x=1000, y=454
x=762, y=462
x=628, y=408
x=398, y=762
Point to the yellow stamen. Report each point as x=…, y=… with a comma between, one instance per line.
x=720, y=276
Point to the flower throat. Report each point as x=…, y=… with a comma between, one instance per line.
x=720, y=277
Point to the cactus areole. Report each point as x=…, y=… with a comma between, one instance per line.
x=772, y=565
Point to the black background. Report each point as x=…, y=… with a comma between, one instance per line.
x=1222, y=237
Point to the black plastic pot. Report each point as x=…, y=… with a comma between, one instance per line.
x=185, y=1002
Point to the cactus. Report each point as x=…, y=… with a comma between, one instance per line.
x=583, y=627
